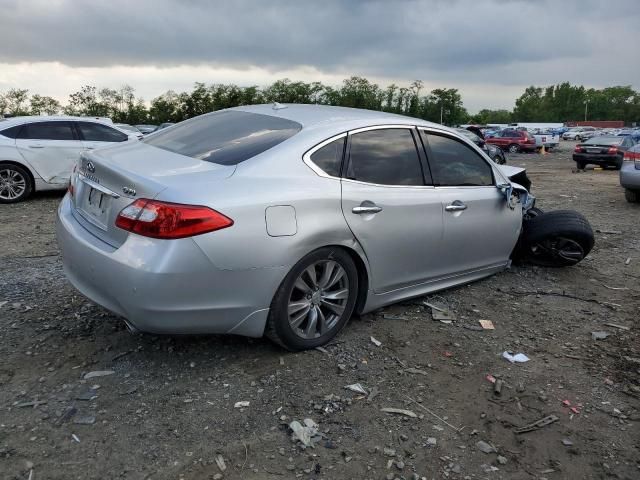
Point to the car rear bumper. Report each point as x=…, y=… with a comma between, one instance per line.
x=165, y=286
x=630, y=176
x=596, y=159
x=528, y=147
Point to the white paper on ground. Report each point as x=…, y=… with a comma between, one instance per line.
x=517, y=358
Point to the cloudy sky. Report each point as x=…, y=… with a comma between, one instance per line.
x=490, y=50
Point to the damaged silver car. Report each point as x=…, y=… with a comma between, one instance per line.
x=285, y=220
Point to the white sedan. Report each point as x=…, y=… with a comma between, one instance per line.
x=39, y=152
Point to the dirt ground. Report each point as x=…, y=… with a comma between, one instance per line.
x=168, y=410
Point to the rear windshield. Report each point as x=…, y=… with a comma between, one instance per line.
x=226, y=138
x=603, y=141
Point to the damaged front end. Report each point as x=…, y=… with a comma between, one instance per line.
x=518, y=189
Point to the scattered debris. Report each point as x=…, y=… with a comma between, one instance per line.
x=3, y=303
x=416, y=371
x=599, y=335
x=614, y=288
x=84, y=420
x=356, y=387
x=443, y=316
x=566, y=442
x=373, y=394
x=75, y=437
x=486, y=324
x=98, y=373
x=220, y=462
x=608, y=232
x=399, y=411
x=322, y=349
x=490, y=378
x=627, y=261
x=497, y=387
x=377, y=343
x=308, y=434
x=538, y=424
x=242, y=404
x=484, y=447
x=388, y=316
x=517, y=358
x=88, y=395
x=615, y=325
x=389, y=452
x=502, y=460
x=434, y=415
x=432, y=442
x=33, y=404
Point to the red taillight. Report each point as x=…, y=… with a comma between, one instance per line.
x=578, y=149
x=612, y=151
x=151, y=218
x=631, y=156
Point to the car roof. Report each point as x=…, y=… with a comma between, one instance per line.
x=12, y=121
x=318, y=115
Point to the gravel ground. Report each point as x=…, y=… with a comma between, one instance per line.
x=167, y=410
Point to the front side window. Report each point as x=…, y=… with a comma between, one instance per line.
x=225, y=138
x=385, y=157
x=329, y=157
x=47, y=131
x=455, y=164
x=96, y=132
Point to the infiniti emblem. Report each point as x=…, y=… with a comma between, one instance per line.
x=91, y=167
x=129, y=191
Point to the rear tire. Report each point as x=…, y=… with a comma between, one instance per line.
x=514, y=148
x=559, y=238
x=15, y=183
x=580, y=165
x=314, y=301
x=618, y=164
x=632, y=196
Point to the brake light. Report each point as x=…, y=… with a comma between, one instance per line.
x=631, y=156
x=612, y=151
x=578, y=149
x=152, y=218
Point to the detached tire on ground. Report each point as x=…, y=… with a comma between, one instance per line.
x=314, y=301
x=559, y=238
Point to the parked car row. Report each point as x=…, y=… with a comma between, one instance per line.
x=585, y=133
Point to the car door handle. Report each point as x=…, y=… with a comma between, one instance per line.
x=456, y=206
x=36, y=146
x=368, y=209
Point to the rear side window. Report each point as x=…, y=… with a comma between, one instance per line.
x=11, y=132
x=96, y=132
x=225, y=138
x=455, y=164
x=47, y=131
x=329, y=157
x=385, y=157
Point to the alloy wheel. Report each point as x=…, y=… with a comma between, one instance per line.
x=560, y=249
x=318, y=299
x=12, y=184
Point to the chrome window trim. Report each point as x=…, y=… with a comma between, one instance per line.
x=386, y=127
x=306, y=158
x=492, y=165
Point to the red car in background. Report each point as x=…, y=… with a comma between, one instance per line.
x=514, y=141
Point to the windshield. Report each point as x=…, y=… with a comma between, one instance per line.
x=226, y=137
x=603, y=141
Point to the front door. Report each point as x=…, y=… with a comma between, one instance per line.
x=51, y=148
x=480, y=229
x=96, y=135
x=394, y=215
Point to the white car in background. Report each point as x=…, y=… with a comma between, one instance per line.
x=39, y=152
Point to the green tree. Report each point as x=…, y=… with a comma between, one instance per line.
x=15, y=101
x=43, y=105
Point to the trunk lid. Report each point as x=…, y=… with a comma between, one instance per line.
x=108, y=179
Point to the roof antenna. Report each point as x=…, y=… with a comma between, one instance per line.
x=278, y=106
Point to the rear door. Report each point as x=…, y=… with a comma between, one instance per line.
x=480, y=229
x=52, y=148
x=392, y=211
x=95, y=135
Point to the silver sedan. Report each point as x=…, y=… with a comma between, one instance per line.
x=284, y=220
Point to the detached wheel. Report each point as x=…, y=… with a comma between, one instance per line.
x=555, y=239
x=514, y=148
x=632, y=196
x=314, y=301
x=15, y=183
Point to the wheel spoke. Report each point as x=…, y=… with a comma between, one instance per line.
x=336, y=277
x=335, y=308
x=337, y=295
x=301, y=285
x=312, y=318
x=297, y=306
x=297, y=319
x=311, y=273
x=327, y=270
x=322, y=321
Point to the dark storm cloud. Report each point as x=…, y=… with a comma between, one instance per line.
x=497, y=41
